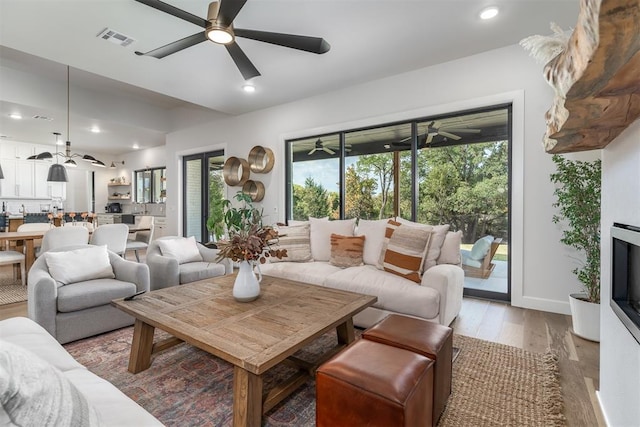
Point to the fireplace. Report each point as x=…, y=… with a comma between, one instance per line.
x=625, y=276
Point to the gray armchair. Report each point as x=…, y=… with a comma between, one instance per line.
x=165, y=271
x=82, y=309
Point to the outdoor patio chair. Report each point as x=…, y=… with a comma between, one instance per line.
x=477, y=261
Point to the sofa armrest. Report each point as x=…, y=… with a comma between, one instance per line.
x=163, y=271
x=448, y=280
x=129, y=271
x=42, y=305
x=211, y=255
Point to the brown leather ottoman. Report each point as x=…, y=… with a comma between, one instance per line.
x=374, y=384
x=427, y=338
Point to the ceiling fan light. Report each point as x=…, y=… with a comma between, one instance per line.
x=219, y=34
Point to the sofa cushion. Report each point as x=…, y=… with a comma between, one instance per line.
x=394, y=293
x=92, y=293
x=374, y=231
x=405, y=252
x=467, y=260
x=28, y=334
x=450, y=251
x=79, y=265
x=296, y=240
x=346, y=251
x=305, y=272
x=184, y=249
x=194, y=271
x=321, y=231
x=438, y=234
x=35, y=393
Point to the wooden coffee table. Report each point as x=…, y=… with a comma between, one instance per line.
x=253, y=336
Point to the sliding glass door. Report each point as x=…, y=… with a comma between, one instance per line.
x=202, y=194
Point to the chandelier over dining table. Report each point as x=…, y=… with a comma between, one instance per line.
x=57, y=171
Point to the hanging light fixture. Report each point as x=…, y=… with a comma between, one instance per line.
x=67, y=155
x=57, y=172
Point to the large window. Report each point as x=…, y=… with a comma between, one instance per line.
x=451, y=169
x=151, y=185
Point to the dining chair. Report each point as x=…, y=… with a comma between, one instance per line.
x=14, y=257
x=36, y=226
x=141, y=241
x=64, y=236
x=112, y=235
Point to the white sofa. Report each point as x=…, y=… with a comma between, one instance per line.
x=113, y=407
x=437, y=298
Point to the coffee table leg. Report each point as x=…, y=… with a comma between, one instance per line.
x=247, y=398
x=140, y=358
x=346, y=335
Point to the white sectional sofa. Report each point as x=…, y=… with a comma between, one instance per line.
x=437, y=297
x=108, y=405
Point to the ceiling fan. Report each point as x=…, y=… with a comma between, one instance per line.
x=218, y=27
x=319, y=146
x=435, y=128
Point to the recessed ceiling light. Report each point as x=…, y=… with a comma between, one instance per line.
x=135, y=146
x=15, y=116
x=249, y=88
x=95, y=129
x=488, y=13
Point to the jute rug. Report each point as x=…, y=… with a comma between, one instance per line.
x=11, y=291
x=494, y=385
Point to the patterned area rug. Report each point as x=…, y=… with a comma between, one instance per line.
x=494, y=384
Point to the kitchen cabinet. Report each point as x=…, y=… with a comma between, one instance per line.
x=44, y=189
x=159, y=227
x=108, y=219
x=19, y=177
x=17, y=150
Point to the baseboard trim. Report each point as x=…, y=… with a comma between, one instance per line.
x=542, y=304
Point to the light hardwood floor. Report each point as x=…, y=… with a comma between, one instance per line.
x=531, y=330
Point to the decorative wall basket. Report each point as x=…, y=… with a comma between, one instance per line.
x=261, y=159
x=255, y=190
x=236, y=171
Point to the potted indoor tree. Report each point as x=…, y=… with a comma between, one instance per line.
x=577, y=192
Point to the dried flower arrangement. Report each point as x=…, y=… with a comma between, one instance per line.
x=248, y=239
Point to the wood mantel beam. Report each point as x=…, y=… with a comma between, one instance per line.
x=600, y=74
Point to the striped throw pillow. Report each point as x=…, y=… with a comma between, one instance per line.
x=346, y=251
x=295, y=239
x=405, y=250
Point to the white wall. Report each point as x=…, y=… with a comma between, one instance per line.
x=541, y=271
x=619, y=351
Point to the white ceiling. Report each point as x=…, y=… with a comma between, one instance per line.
x=135, y=98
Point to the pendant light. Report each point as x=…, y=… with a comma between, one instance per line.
x=57, y=172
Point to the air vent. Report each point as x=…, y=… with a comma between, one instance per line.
x=39, y=117
x=115, y=37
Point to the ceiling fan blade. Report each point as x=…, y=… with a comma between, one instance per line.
x=449, y=135
x=429, y=138
x=176, y=46
x=247, y=69
x=228, y=9
x=462, y=130
x=328, y=150
x=309, y=44
x=313, y=150
x=172, y=10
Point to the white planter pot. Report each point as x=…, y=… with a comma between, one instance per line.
x=585, y=316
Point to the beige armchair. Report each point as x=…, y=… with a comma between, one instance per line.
x=167, y=270
x=78, y=304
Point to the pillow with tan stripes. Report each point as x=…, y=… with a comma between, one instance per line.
x=346, y=251
x=405, y=250
x=295, y=239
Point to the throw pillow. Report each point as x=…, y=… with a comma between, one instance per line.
x=321, y=231
x=439, y=232
x=392, y=225
x=374, y=230
x=346, y=251
x=405, y=252
x=296, y=240
x=78, y=265
x=183, y=249
x=450, y=251
x=480, y=248
x=297, y=222
x=36, y=393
